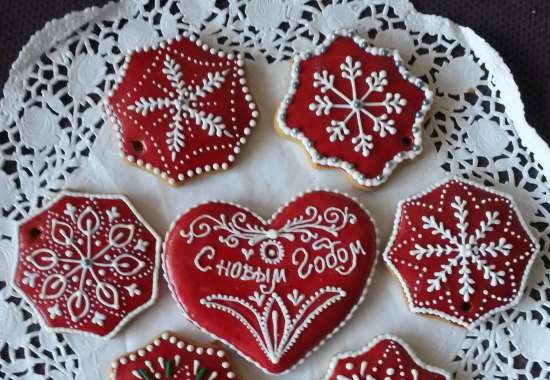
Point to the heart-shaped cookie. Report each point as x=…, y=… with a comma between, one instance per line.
x=273, y=290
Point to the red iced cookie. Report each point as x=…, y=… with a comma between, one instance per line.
x=169, y=357
x=182, y=108
x=355, y=107
x=461, y=251
x=273, y=290
x=385, y=358
x=88, y=263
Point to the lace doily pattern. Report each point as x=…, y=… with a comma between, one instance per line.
x=27, y=350
x=51, y=114
x=510, y=345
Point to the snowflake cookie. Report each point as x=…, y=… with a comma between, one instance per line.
x=355, y=107
x=461, y=251
x=181, y=108
x=385, y=358
x=169, y=357
x=87, y=263
x=275, y=289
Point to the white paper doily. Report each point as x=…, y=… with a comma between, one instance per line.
x=52, y=136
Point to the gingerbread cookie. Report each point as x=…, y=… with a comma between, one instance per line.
x=169, y=357
x=87, y=263
x=182, y=108
x=355, y=107
x=461, y=251
x=273, y=290
x=385, y=358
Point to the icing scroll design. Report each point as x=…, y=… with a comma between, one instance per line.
x=273, y=325
x=306, y=226
x=362, y=373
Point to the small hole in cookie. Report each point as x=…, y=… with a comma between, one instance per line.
x=34, y=232
x=138, y=146
x=466, y=307
x=406, y=141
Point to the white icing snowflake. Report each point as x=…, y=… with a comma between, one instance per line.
x=358, y=106
x=464, y=250
x=84, y=262
x=182, y=101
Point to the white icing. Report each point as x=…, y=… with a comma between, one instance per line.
x=268, y=278
x=396, y=24
x=85, y=263
x=306, y=227
x=466, y=321
x=265, y=324
x=357, y=105
x=186, y=106
x=78, y=284
x=157, y=367
x=98, y=318
x=339, y=258
x=295, y=297
x=391, y=373
x=339, y=129
x=133, y=290
x=184, y=103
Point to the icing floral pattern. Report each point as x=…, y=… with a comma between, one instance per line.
x=461, y=251
x=272, y=316
x=169, y=357
x=389, y=24
x=181, y=108
x=86, y=266
x=268, y=276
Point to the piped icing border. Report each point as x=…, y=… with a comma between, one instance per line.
x=268, y=221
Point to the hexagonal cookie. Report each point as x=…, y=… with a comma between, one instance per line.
x=87, y=263
x=461, y=251
x=355, y=107
x=169, y=357
x=274, y=290
x=181, y=108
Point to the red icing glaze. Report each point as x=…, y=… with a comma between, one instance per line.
x=319, y=250
x=461, y=227
x=314, y=126
x=182, y=109
x=87, y=263
x=169, y=357
x=386, y=358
